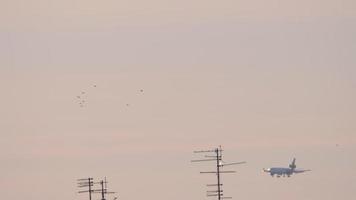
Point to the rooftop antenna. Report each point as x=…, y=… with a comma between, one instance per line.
x=103, y=190
x=86, y=182
x=219, y=164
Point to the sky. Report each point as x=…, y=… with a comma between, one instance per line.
x=268, y=80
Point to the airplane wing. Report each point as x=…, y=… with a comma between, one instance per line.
x=301, y=170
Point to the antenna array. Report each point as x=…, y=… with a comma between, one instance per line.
x=88, y=182
x=218, y=192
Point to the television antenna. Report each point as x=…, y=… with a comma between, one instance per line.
x=86, y=182
x=103, y=190
x=218, y=192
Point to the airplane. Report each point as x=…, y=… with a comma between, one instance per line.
x=280, y=171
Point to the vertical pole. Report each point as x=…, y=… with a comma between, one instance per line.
x=218, y=171
x=102, y=190
x=89, y=182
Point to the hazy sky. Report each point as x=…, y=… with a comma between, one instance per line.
x=268, y=80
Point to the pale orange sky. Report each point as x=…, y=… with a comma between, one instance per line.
x=268, y=80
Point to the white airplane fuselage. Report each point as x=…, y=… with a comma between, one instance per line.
x=279, y=171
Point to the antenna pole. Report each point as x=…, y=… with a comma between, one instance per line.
x=102, y=190
x=218, y=156
x=89, y=188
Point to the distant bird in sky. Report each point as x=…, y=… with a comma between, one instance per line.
x=82, y=97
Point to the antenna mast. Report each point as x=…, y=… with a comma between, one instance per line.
x=219, y=164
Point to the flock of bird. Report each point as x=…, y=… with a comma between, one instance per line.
x=81, y=98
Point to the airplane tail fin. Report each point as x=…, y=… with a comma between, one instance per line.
x=292, y=165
